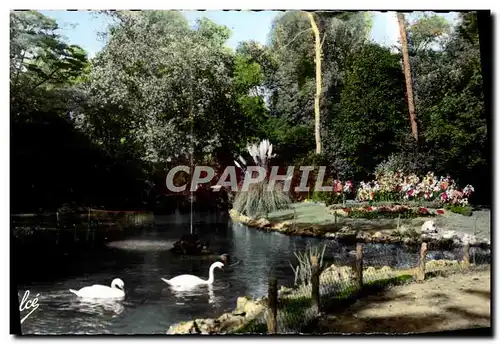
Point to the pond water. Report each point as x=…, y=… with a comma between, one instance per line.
x=150, y=307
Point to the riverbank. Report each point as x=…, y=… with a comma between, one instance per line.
x=295, y=309
x=317, y=220
x=452, y=302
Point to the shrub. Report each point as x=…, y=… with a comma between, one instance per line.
x=394, y=163
x=341, y=191
x=354, y=213
x=459, y=209
x=303, y=271
x=258, y=201
x=404, y=162
x=388, y=212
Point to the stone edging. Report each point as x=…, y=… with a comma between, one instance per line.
x=246, y=310
x=349, y=236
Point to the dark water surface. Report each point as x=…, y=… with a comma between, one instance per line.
x=150, y=307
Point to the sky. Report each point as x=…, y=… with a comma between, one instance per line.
x=83, y=27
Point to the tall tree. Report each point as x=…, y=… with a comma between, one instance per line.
x=296, y=89
x=317, y=60
x=427, y=37
x=42, y=65
x=407, y=72
x=164, y=87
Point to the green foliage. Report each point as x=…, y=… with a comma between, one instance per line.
x=427, y=30
x=386, y=196
x=248, y=80
x=451, y=109
x=372, y=108
x=172, y=84
x=252, y=327
x=326, y=197
x=43, y=66
x=47, y=79
x=291, y=140
x=292, y=84
x=164, y=91
x=459, y=209
x=407, y=162
x=318, y=160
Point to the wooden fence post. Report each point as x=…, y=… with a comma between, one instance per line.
x=466, y=259
x=359, y=265
x=421, y=263
x=315, y=272
x=272, y=297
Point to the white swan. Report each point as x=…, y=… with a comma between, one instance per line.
x=190, y=280
x=98, y=291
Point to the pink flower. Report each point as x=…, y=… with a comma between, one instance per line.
x=337, y=186
x=348, y=186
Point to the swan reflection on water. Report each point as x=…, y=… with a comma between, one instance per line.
x=184, y=294
x=96, y=307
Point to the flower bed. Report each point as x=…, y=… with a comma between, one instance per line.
x=410, y=204
x=398, y=211
x=396, y=186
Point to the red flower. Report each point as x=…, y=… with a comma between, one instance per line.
x=369, y=208
x=440, y=211
x=399, y=208
x=423, y=210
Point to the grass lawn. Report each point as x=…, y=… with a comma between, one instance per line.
x=317, y=214
x=311, y=213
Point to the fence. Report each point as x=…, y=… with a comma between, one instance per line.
x=320, y=288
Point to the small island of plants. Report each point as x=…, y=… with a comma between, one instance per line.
x=375, y=211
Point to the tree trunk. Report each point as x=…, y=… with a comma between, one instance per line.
x=407, y=72
x=317, y=123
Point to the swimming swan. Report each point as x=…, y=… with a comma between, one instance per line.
x=190, y=280
x=98, y=291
